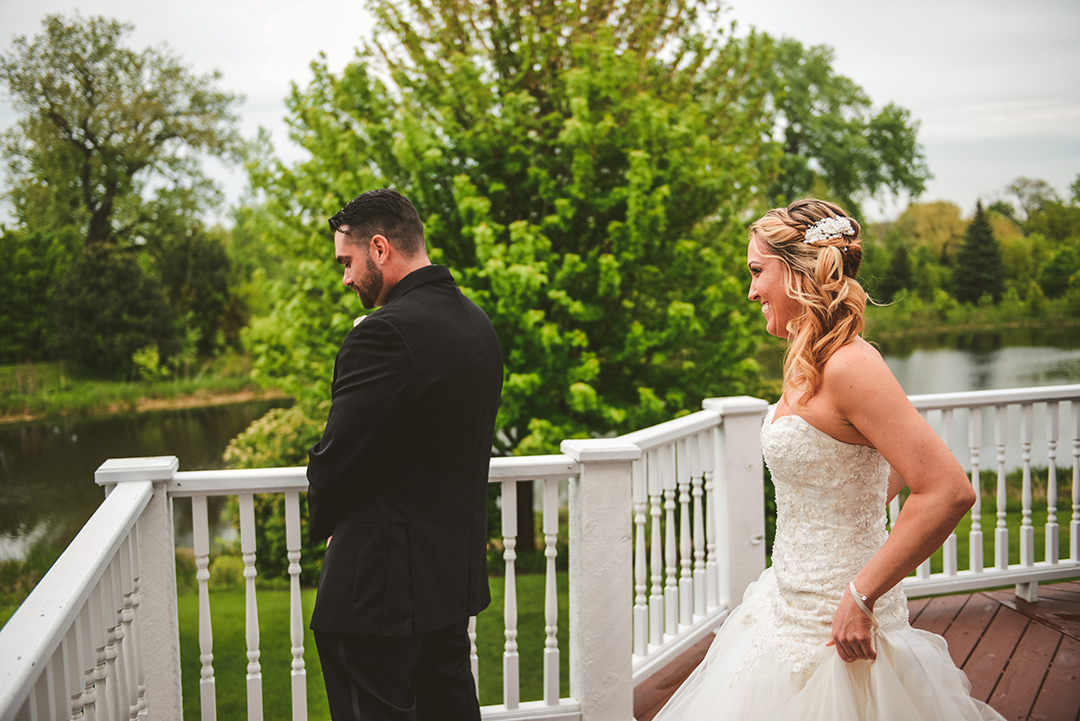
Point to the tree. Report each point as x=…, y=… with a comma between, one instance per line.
x=103, y=128
x=830, y=132
x=110, y=309
x=979, y=268
x=1074, y=190
x=937, y=226
x=585, y=181
x=1055, y=274
x=898, y=277
x=35, y=265
x=1032, y=194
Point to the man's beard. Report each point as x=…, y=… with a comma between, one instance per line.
x=371, y=285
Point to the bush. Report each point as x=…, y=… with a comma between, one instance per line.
x=278, y=439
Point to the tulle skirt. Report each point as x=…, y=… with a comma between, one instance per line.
x=749, y=674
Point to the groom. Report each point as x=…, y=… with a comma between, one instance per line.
x=399, y=479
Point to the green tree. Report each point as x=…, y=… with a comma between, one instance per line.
x=109, y=139
x=1032, y=194
x=936, y=226
x=831, y=132
x=111, y=309
x=898, y=277
x=1074, y=190
x=196, y=272
x=584, y=180
x=34, y=268
x=1055, y=274
x=979, y=267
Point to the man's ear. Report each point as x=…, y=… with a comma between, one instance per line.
x=380, y=249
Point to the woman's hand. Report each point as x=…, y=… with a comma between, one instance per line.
x=852, y=632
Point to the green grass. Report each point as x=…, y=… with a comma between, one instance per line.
x=1014, y=518
x=230, y=649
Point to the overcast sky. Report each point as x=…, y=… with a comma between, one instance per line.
x=995, y=84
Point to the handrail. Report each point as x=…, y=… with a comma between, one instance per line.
x=33, y=634
x=973, y=399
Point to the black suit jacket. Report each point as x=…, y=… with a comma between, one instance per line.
x=400, y=476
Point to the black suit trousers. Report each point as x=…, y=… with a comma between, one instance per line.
x=426, y=677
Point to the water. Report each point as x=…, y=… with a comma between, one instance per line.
x=46, y=469
x=47, y=489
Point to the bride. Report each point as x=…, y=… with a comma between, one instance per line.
x=823, y=634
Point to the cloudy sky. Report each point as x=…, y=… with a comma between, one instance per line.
x=995, y=84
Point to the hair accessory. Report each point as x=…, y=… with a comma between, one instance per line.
x=827, y=228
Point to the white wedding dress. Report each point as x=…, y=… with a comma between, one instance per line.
x=769, y=660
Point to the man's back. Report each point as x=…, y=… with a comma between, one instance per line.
x=400, y=477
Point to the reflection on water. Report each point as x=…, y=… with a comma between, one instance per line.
x=47, y=491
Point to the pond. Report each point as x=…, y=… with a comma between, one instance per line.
x=47, y=489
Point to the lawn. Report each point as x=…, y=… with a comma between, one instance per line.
x=230, y=649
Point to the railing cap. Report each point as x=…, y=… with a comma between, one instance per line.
x=600, y=449
x=735, y=405
x=151, y=468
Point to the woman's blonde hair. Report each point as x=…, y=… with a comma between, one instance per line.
x=820, y=275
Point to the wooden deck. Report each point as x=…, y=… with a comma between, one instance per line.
x=1021, y=658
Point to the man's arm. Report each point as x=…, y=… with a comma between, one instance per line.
x=372, y=366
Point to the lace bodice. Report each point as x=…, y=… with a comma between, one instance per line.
x=831, y=519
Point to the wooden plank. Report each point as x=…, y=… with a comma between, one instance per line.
x=915, y=607
x=940, y=612
x=1059, y=697
x=1015, y=694
x=651, y=694
x=1059, y=614
x=968, y=628
x=991, y=654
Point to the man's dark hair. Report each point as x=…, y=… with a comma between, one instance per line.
x=383, y=212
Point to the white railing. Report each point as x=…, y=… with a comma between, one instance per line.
x=666, y=529
x=77, y=646
x=1022, y=421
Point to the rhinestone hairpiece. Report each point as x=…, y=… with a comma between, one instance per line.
x=827, y=228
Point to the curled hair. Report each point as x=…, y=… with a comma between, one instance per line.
x=821, y=277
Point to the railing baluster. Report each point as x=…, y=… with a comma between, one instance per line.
x=251, y=613
x=656, y=563
x=712, y=586
x=698, y=492
x=1027, y=591
x=1001, y=531
x=130, y=708
x=73, y=678
x=1053, y=421
x=474, y=659
x=975, y=537
x=201, y=542
x=56, y=684
x=88, y=661
x=113, y=692
x=296, y=611
x=99, y=640
x=641, y=600
x=686, y=549
x=1074, y=523
x=511, y=696
x=136, y=636
x=948, y=550
x=551, y=591
x=671, y=587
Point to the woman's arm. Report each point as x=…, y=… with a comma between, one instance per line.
x=865, y=393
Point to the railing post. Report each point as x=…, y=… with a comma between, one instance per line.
x=601, y=579
x=159, y=630
x=740, y=493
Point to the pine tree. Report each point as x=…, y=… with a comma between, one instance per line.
x=898, y=277
x=979, y=266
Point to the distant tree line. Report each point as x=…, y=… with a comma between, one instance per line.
x=1021, y=253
